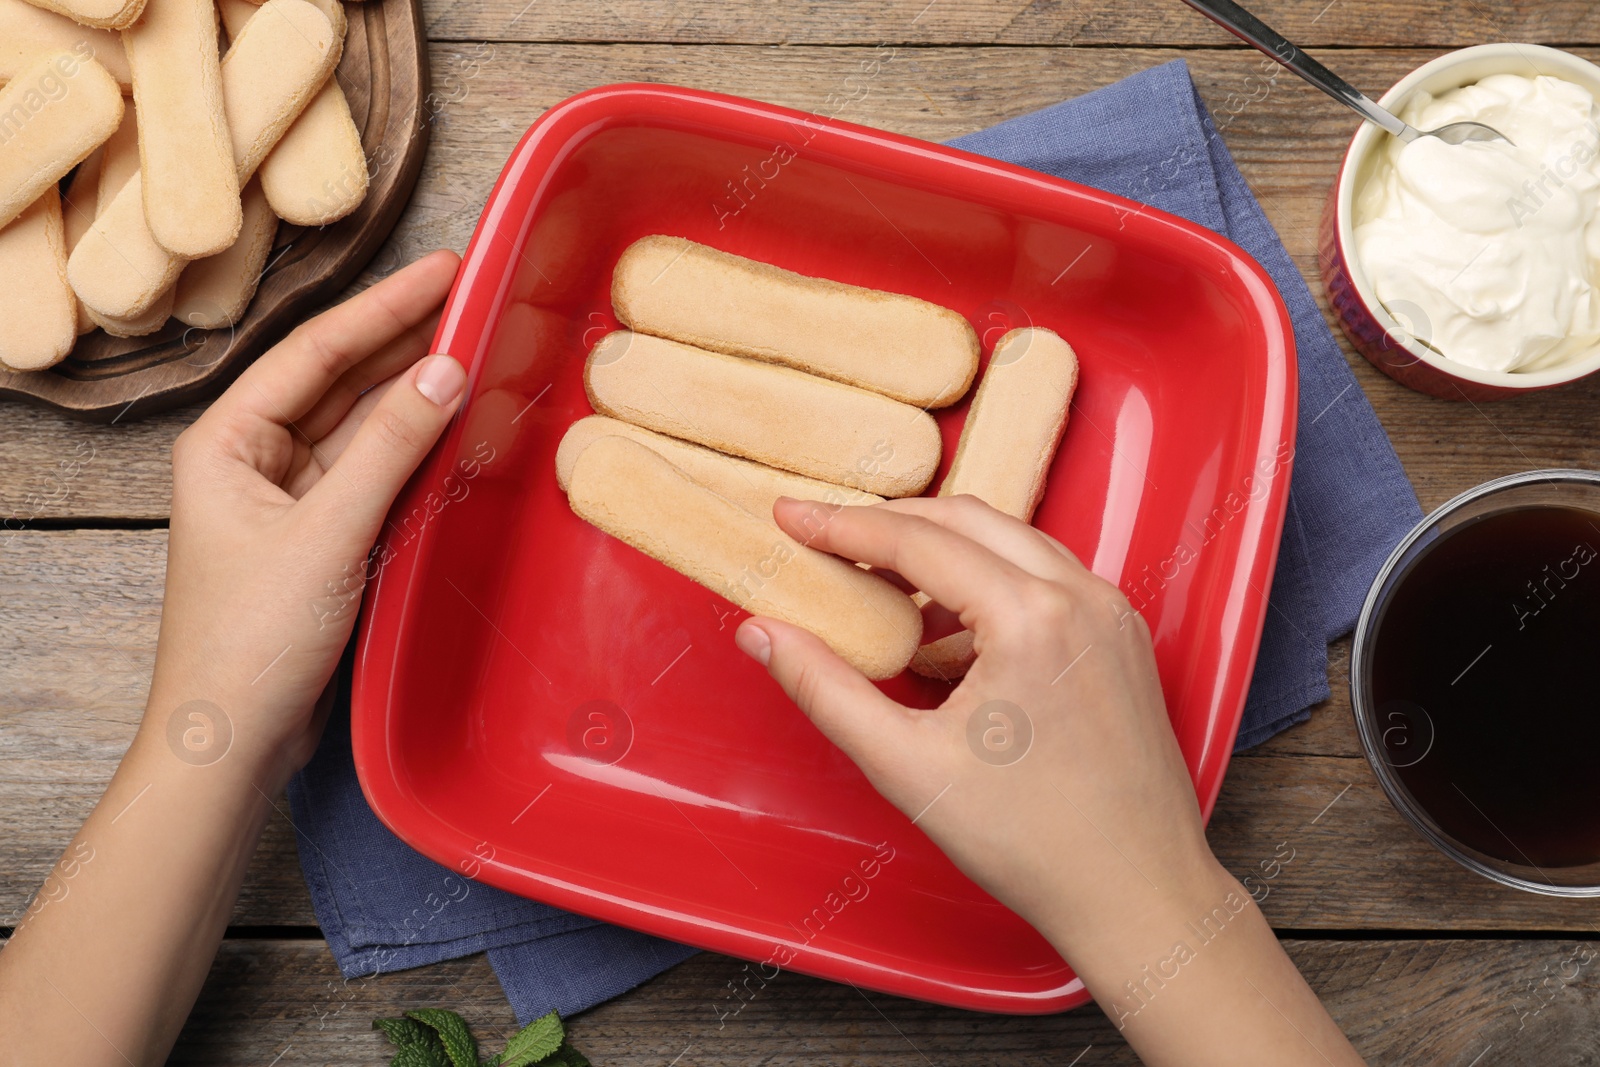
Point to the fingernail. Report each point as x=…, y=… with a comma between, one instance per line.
x=753, y=642
x=440, y=379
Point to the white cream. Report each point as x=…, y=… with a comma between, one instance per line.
x=1489, y=251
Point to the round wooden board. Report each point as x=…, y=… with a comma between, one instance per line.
x=384, y=74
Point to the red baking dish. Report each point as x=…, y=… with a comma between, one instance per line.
x=560, y=716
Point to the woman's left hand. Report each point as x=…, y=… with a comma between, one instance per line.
x=279, y=492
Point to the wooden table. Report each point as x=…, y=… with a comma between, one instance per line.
x=1420, y=961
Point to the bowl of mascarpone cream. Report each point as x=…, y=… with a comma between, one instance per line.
x=1472, y=271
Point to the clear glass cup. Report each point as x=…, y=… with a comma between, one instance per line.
x=1392, y=738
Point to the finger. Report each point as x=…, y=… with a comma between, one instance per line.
x=1005, y=536
x=314, y=458
x=283, y=385
x=850, y=711
x=387, y=362
x=955, y=570
x=392, y=440
x=897, y=581
x=333, y=443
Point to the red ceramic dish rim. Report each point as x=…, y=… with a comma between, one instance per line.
x=1368, y=139
x=474, y=304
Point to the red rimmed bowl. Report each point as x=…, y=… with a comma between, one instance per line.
x=1387, y=337
x=550, y=711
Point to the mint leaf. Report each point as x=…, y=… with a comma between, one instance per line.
x=422, y=1055
x=565, y=1056
x=459, y=1044
x=539, y=1039
x=434, y=1037
x=401, y=1032
x=417, y=1045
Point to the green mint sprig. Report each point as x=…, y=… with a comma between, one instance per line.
x=434, y=1037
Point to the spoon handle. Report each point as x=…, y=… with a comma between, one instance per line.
x=1235, y=19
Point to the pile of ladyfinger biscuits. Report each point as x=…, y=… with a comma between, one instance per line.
x=119, y=214
x=738, y=382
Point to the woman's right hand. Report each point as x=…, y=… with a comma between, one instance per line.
x=1088, y=828
x=1092, y=818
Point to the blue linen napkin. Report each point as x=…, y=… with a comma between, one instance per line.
x=384, y=907
x=1151, y=139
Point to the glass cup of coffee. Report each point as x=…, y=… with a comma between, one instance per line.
x=1475, y=680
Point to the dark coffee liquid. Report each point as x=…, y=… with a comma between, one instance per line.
x=1486, y=679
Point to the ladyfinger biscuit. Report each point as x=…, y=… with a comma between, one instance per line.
x=119, y=160
x=897, y=345
x=773, y=415
x=153, y=318
x=1006, y=447
x=56, y=111
x=214, y=292
x=752, y=486
x=1015, y=422
x=280, y=60
x=636, y=496
x=948, y=658
x=38, y=318
x=318, y=173
x=275, y=66
x=118, y=270
x=78, y=202
x=102, y=14
x=235, y=13
x=27, y=31
x=191, y=186
x=77, y=215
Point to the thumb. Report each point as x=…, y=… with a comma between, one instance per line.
x=849, y=710
x=391, y=441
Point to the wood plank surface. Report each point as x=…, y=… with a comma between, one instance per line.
x=79, y=607
x=80, y=630
x=1401, y=1002
x=384, y=66
x=1287, y=138
x=1448, y=23
x=81, y=611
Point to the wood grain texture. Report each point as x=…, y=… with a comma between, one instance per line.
x=384, y=74
x=80, y=619
x=1423, y=1001
x=1435, y=1002
x=1287, y=138
x=56, y=469
x=1008, y=22
x=80, y=628
x=80, y=607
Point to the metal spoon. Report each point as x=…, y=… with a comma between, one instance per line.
x=1242, y=24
